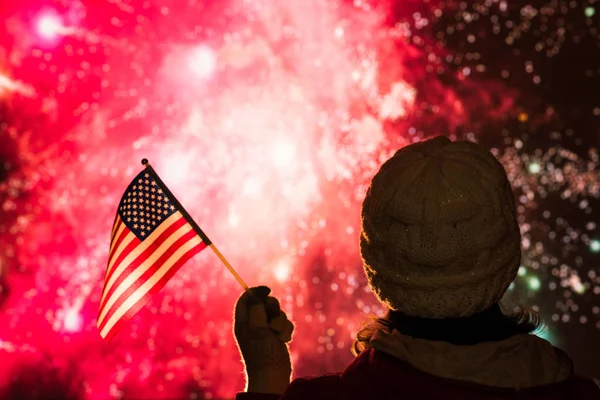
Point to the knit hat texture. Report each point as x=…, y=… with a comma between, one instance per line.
x=440, y=236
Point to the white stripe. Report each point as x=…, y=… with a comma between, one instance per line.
x=138, y=250
x=112, y=245
x=115, y=224
x=142, y=290
x=143, y=267
x=126, y=241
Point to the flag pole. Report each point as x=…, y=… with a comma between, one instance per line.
x=193, y=223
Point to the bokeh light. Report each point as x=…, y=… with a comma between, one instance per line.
x=73, y=320
x=535, y=168
x=202, y=61
x=49, y=25
x=590, y=12
x=267, y=120
x=534, y=283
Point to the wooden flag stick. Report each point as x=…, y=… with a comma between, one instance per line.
x=193, y=223
x=229, y=267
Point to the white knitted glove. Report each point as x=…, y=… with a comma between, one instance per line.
x=262, y=331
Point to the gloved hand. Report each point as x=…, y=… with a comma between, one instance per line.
x=262, y=331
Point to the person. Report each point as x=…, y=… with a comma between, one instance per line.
x=440, y=244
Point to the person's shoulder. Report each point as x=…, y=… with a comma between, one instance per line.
x=320, y=387
x=327, y=381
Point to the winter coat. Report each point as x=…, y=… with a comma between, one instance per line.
x=523, y=367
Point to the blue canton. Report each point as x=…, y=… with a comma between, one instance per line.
x=145, y=206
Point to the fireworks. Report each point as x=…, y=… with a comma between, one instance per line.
x=49, y=26
x=267, y=119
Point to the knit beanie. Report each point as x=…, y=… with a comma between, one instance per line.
x=440, y=236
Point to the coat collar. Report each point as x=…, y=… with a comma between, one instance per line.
x=522, y=361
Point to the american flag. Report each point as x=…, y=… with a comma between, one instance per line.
x=150, y=240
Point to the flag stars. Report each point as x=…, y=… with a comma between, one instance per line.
x=145, y=205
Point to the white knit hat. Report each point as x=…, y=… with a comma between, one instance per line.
x=440, y=236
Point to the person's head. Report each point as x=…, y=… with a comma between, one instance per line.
x=440, y=241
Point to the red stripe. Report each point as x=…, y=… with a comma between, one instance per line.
x=118, y=242
x=120, y=256
x=136, y=241
x=146, y=275
x=112, y=252
x=140, y=259
x=115, y=229
x=159, y=285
